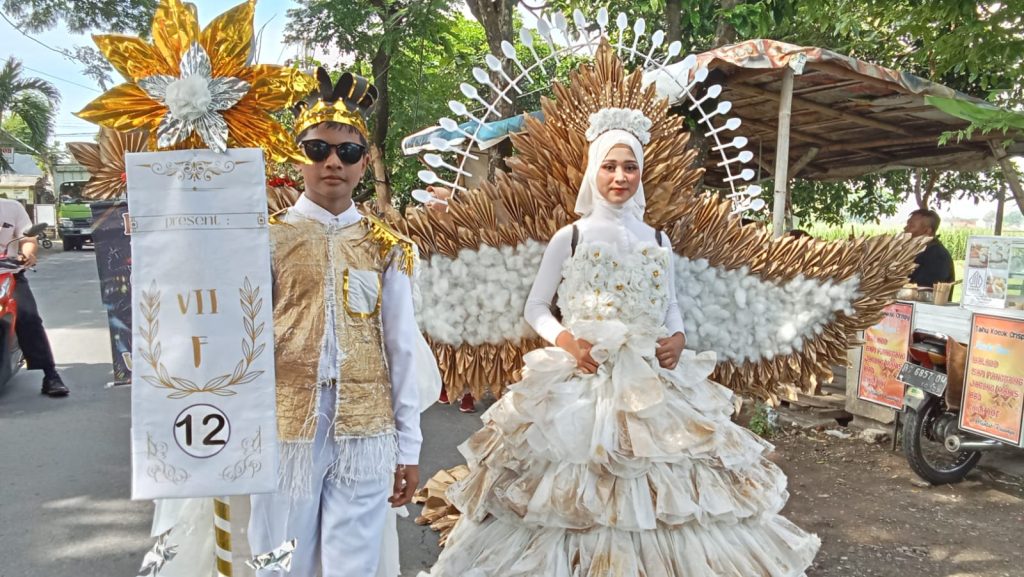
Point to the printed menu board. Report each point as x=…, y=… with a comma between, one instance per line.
x=885, y=351
x=993, y=403
x=994, y=272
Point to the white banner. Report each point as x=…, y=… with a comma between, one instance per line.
x=203, y=418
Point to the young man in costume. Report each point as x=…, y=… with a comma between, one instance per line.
x=345, y=334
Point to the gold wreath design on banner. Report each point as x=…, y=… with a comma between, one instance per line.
x=221, y=385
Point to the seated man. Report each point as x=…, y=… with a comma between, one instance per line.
x=29, y=325
x=934, y=264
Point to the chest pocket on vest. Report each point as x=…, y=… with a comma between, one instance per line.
x=361, y=290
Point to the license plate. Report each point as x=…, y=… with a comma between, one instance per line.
x=928, y=380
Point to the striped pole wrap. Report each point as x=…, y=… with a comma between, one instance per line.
x=222, y=532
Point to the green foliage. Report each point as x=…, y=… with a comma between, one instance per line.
x=974, y=46
x=864, y=199
x=361, y=28
x=954, y=239
x=31, y=100
x=425, y=75
x=80, y=17
x=763, y=423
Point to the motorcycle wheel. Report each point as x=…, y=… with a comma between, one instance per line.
x=47, y=243
x=925, y=451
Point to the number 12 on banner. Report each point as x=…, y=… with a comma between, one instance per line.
x=202, y=430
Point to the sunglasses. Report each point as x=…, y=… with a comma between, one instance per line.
x=318, y=151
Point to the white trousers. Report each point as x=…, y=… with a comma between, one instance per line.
x=338, y=527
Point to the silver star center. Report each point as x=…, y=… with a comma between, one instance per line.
x=194, y=101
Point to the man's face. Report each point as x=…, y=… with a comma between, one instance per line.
x=917, y=225
x=331, y=178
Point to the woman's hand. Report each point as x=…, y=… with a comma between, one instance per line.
x=669, y=349
x=580, y=350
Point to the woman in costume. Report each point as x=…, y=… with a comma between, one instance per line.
x=613, y=456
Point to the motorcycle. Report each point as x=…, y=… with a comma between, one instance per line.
x=44, y=241
x=10, y=352
x=936, y=448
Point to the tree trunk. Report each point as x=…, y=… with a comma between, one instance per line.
x=380, y=64
x=1000, y=209
x=725, y=33
x=673, y=17
x=1010, y=174
x=496, y=18
x=923, y=195
x=917, y=186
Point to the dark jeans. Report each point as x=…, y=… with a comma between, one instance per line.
x=29, y=328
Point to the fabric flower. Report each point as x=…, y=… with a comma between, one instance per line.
x=627, y=119
x=194, y=100
x=192, y=88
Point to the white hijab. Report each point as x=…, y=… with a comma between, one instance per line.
x=588, y=195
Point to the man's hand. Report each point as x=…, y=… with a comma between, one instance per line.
x=28, y=247
x=407, y=479
x=580, y=350
x=669, y=349
x=28, y=260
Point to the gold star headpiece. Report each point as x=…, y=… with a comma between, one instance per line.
x=350, y=102
x=198, y=89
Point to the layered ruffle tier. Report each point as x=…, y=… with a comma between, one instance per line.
x=633, y=471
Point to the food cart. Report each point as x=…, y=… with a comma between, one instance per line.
x=989, y=320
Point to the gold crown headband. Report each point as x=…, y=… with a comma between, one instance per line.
x=350, y=102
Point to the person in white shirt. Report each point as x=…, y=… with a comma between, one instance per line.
x=345, y=340
x=32, y=339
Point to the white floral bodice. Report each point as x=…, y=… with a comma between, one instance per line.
x=600, y=283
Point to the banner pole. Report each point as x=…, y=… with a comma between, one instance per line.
x=222, y=531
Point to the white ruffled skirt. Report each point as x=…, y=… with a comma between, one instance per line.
x=633, y=471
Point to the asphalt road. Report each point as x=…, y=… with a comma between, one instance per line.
x=65, y=475
x=64, y=485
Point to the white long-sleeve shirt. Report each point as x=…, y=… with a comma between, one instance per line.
x=609, y=224
x=400, y=333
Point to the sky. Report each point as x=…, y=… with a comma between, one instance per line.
x=78, y=90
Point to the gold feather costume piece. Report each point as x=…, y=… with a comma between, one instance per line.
x=524, y=207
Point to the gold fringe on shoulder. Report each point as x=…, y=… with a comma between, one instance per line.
x=386, y=238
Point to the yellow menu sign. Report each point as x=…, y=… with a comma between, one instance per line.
x=885, y=351
x=993, y=402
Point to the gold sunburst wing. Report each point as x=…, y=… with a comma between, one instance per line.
x=104, y=160
x=777, y=312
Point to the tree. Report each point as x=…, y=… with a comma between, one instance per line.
x=116, y=16
x=975, y=46
x=79, y=17
x=31, y=101
x=497, y=18
x=425, y=75
x=371, y=31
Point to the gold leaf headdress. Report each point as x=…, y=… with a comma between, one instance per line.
x=350, y=102
x=198, y=89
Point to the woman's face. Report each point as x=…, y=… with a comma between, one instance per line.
x=618, y=177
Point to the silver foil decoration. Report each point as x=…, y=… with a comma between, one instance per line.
x=194, y=101
x=278, y=559
x=156, y=557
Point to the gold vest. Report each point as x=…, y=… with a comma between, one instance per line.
x=307, y=255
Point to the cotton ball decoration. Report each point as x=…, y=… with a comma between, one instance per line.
x=743, y=317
